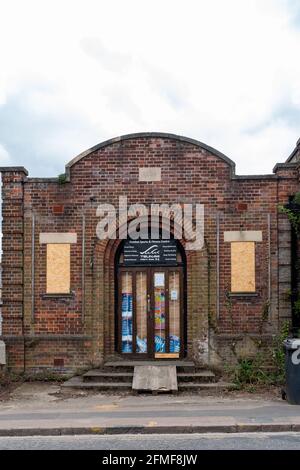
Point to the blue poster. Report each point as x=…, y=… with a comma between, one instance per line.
x=126, y=323
x=174, y=344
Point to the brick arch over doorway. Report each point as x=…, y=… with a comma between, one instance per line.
x=104, y=298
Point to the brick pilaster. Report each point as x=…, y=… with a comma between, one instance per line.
x=12, y=262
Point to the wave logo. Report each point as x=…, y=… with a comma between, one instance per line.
x=152, y=250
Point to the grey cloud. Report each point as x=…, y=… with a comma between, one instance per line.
x=174, y=92
x=43, y=143
x=119, y=100
x=173, y=96
x=110, y=60
x=294, y=9
x=288, y=114
x=161, y=81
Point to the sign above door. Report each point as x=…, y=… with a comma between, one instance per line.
x=139, y=252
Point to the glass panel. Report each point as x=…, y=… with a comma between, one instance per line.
x=126, y=286
x=174, y=312
x=141, y=312
x=159, y=312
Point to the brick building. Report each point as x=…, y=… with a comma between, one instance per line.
x=71, y=300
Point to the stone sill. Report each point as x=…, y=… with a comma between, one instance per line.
x=243, y=294
x=71, y=295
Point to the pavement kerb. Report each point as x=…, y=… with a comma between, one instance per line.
x=71, y=431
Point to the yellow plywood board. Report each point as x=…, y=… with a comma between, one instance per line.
x=166, y=355
x=58, y=268
x=243, y=267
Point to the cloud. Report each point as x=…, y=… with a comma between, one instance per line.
x=225, y=73
x=287, y=114
x=108, y=59
x=35, y=133
x=5, y=157
x=164, y=83
x=293, y=8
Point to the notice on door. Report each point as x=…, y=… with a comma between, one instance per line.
x=159, y=279
x=174, y=295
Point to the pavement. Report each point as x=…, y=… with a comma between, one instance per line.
x=156, y=442
x=43, y=409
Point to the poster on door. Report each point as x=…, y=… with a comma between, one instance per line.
x=159, y=319
x=126, y=322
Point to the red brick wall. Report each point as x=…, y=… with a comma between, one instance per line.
x=83, y=334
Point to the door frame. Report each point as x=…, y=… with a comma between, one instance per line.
x=150, y=270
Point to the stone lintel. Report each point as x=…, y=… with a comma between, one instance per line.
x=52, y=237
x=243, y=236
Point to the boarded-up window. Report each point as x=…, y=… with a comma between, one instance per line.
x=58, y=268
x=242, y=267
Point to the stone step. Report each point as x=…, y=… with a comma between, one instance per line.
x=100, y=375
x=196, y=377
x=211, y=387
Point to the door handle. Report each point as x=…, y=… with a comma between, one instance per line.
x=148, y=304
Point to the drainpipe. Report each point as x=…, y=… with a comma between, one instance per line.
x=269, y=267
x=218, y=265
x=83, y=271
x=32, y=267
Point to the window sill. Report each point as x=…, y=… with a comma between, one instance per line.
x=243, y=294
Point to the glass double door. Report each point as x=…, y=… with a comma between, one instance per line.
x=150, y=312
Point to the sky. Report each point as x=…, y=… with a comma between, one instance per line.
x=75, y=73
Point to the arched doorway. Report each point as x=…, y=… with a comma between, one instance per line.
x=151, y=299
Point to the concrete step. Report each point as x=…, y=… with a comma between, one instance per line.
x=78, y=383
x=100, y=376
x=196, y=377
x=155, y=379
x=103, y=381
x=211, y=387
x=107, y=385
x=184, y=366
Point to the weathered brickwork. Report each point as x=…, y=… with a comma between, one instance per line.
x=67, y=332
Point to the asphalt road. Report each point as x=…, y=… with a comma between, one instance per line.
x=251, y=441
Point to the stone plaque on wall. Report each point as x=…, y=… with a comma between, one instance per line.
x=148, y=174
